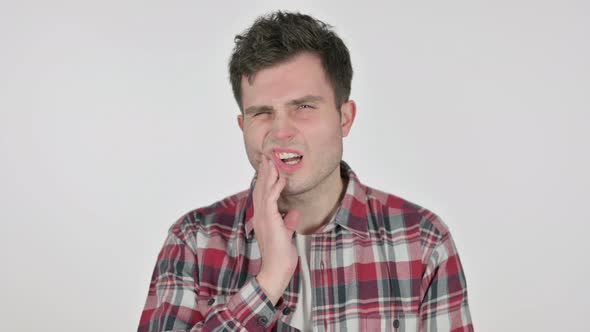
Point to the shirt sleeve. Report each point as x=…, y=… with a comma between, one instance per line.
x=173, y=305
x=444, y=304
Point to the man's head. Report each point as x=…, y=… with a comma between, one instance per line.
x=277, y=37
x=290, y=107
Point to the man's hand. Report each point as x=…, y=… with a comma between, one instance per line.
x=273, y=234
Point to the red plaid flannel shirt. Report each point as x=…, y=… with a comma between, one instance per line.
x=382, y=264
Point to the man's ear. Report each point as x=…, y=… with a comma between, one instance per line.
x=241, y=121
x=347, y=115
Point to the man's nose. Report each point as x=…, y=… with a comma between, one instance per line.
x=283, y=127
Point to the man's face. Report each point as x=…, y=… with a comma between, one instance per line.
x=290, y=108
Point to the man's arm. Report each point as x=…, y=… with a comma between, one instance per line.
x=173, y=305
x=444, y=304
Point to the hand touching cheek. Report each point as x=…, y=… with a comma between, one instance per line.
x=273, y=233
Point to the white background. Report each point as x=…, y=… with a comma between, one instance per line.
x=116, y=117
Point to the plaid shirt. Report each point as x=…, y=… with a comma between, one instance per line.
x=381, y=264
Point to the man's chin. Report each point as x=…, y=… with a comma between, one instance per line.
x=292, y=190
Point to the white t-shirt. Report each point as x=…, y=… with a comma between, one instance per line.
x=302, y=315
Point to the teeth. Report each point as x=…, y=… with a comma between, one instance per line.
x=285, y=155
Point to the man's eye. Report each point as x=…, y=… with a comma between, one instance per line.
x=259, y=113
x=305, y=106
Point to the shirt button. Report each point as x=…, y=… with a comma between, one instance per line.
x=262, y=320
x=396, y=323
x=286, y=311
x=211, y=301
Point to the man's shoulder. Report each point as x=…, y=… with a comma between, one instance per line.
x=396, y=210
x=221, y=215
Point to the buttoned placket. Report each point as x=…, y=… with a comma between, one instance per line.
x=323, y=294
x=284, y=308
x=312, y=279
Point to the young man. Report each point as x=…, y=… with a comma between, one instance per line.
x=308, y=247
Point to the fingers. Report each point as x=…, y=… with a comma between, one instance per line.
x=268, y=185
x=260, y=174
x=267, y=175
x=276, y=189
x=272, y=174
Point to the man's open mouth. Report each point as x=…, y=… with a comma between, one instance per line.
x=289, y=158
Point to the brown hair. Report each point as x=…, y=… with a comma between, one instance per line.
x=277, y=37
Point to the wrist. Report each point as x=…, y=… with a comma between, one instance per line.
x=272, y=286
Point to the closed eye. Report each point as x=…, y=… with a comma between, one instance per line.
x=259, y=113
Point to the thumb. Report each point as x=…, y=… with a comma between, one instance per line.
x=292, y=219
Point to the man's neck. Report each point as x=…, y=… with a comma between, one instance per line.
x=318, y=205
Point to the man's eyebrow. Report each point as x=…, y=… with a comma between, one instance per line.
x=305, y=99
x=256, y=109
x=292, y=102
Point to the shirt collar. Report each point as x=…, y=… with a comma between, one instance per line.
x=352, y=214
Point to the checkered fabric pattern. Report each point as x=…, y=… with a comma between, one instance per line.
x=381, y=264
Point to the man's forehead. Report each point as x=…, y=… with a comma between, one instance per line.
x=282, y=87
